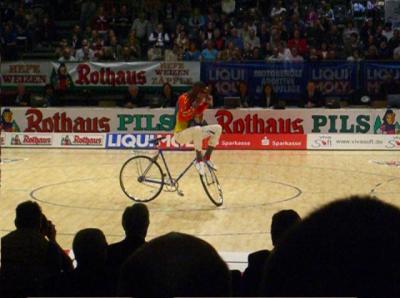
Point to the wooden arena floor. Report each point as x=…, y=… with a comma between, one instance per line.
x=80, y=188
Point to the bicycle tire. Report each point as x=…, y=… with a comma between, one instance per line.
x=156, y=174
x=211, y=186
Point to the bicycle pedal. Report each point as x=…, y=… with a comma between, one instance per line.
x=180, y=193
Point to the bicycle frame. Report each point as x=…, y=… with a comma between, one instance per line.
x=160, y=153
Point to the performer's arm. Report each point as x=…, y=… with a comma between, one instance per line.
x=185, y=112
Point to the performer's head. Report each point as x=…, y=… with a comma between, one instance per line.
x=198, y=88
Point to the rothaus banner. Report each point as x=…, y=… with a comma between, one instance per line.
x=237, y=121
x=122, y=74
x=373, y=74
x=29, y=73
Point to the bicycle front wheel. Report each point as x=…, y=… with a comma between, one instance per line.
x=211, y=186
x=141, y=179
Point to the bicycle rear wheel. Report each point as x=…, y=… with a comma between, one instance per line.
x=141, y=179
x=211, y=186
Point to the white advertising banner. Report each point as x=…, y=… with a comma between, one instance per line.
x=237, y=121
x=29, y=73
x=122, y=74
x=53, y=140
x=352, y=142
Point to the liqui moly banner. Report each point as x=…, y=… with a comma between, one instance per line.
x=373, y=74
x=336, y=79
x=122, y=74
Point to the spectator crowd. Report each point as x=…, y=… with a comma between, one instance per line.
x=190, y=30
x=349, y=247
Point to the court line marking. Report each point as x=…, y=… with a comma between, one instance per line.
x=34, y=196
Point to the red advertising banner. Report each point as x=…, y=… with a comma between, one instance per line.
x=263, y=142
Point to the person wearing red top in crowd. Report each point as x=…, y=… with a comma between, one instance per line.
x=100, y=22
x=299, y=43
x=190, y=126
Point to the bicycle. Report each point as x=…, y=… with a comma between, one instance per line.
x=142, y=178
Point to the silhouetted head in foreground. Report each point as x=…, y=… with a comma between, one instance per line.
x=135, y=220
x=175, y=265
x=282, y=221
x=347, y=248
x=90, y=248
x=28, y=215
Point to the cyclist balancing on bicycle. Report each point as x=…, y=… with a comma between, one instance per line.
x=191, y=127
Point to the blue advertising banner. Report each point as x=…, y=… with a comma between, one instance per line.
x=288, y=80
x=336, y=79
x=373, y=74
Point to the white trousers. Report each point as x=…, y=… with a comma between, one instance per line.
x=197, y=134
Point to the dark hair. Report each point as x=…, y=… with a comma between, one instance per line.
x=349, y=247
x=135, y=220
x=265, y=85
x=282, y=221
x=28, y=215
x=173, y=265
x=90, y=247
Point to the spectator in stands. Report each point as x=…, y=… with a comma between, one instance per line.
x=235, y=39
x=123, y=23
x=167, y=96
x=326, y=254
x=75, y=39
x=196, y=20
x=294, y=56
x=46, y=31
x=268, y=98
x=23, y=98
x=133, y=98
x=299, y=43
x=389, y=88
x=242, y=92
x=387, y=31
x=282, y=222
x=30, y=255
x=384, y=51
x=88, y=10
x=372, y=53
x=85, y=53
x=394, y=42
x=348, y=31
x=218, y=100
x=135, y=221
x=251, y=41
x=312, y=97
x=175, y=265
x=159, y=41
x=134, y=46
x=67, y=56
x=276, y=56
x=90, y=277
x=355, y=56
x=192, y=54
x=141, y=26
x=396, y=53
x=50, y=99
x=278, y=10
x=8, y=40
x=62, y=80
x=115, y=48
x=210, y=53
x=353, y=44
x=100, y=22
